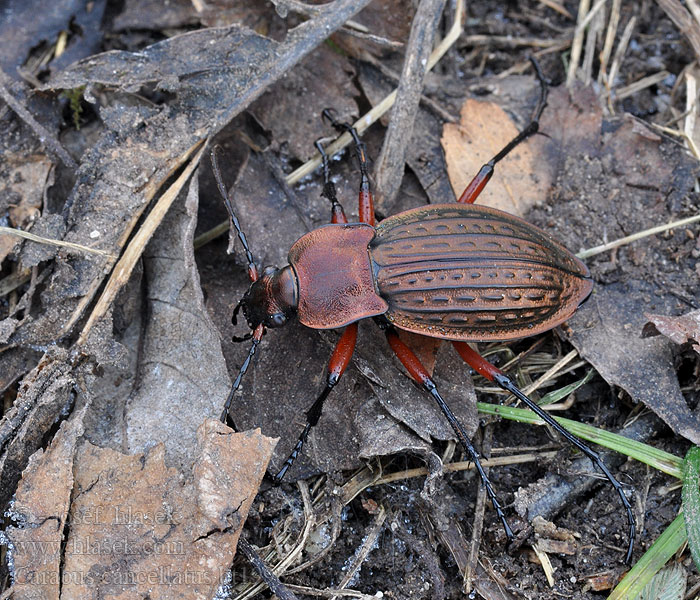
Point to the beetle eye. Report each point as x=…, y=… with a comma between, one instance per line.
x=275, y=320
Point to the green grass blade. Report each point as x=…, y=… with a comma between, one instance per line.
x=658, y=459
x=691, y=501
x=666, y=545
x=561, y=393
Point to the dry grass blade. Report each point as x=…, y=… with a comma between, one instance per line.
x=125, y=265
x=466, y=466
x=691, y=109
x=641, y=84
x=331, y=592
x=51, y=242
x=636, y=236
x=551, y=373
x=577, y=44
x=689, y=27
x=619, y=54
x=546, y=564
x=610, y=34
x=557, y=7
x=596, y=24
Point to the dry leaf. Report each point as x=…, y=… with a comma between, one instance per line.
x=680, y=330
x=137, y=528
x=521, y=179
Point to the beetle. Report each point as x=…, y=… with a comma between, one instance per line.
x=459, y=272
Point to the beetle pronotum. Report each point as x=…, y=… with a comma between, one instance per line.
x=459, y=272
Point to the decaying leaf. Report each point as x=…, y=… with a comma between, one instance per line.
x=22, y=193
x=137, y=528
x=680, y=330
x=40, y=513
x=522, y=178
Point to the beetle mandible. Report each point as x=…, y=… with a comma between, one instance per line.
x=459, y=272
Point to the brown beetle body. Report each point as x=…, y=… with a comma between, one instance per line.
x=459, y=272
x=455, y=271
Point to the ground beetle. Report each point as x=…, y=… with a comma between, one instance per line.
x=458, y=272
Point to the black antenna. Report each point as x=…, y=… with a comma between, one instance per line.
x=252, y=269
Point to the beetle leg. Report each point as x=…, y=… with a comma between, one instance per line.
x=485, y=368
x=336, y=367
x=365, y=201
x=472, y=191
x=421, y=376
x=337, y=212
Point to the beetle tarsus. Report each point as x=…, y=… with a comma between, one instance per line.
x=312, y=417
x=366, y=203
x=337, y=212
x=421, y=376
x=463, y=438
x=239, y=378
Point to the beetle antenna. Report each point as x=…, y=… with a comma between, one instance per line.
x=252, y=269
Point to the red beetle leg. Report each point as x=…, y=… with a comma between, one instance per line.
x=421, y=376
x=485, y=368
x=336, y=367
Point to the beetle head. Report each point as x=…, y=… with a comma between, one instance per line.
x=271, y=299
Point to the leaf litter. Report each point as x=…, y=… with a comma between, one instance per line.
x=143, y=144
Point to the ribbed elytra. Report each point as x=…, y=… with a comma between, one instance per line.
x=469, y=272
x=453, y=271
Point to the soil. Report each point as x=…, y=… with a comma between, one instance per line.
x=611, y=174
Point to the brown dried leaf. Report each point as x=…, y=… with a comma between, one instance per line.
x=137, y=529
x=40, y=513
x=43, y=394
x=521, y=180
x=680, y=330
x=22, y=194
x=545, y=528
x=603, y=581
